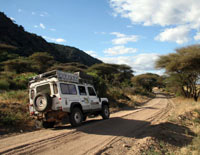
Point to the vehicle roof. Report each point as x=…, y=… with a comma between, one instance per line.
x=53, y=79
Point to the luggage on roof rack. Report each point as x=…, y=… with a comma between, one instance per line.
x=77, y=77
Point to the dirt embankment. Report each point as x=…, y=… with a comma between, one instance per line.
x=123, y=133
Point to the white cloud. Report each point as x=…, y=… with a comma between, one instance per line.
x=43, y=14
x=92, y=53
x=52, y=29
x=163, y=13
x=178, y=34
x=149, y=12
x=123, y=39
x=33, y=13
x=57, y=40
x=197, y=36
x=140, y=63
x=35, y=26
x=42, y=26
x=120, y=50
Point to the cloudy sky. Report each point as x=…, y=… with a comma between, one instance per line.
x=132, y=32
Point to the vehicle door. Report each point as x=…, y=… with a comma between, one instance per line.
x=93, y=99
x=69, y=95
x=84, y=99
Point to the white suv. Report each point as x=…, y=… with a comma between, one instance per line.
x=57, y=96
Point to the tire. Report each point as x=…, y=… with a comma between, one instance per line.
x=42, y=102
x=105, y=113
x=48, y=124
x=76, y=117
x=84, y=118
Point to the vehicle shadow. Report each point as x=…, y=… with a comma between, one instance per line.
x=173, y=134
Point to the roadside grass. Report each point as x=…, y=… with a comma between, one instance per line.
x=14, y=115
x=180, y=134
x=123, y=98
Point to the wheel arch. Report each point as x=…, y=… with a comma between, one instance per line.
x=76, y=105
x=105, y=103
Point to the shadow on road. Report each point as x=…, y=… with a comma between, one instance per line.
x=173, y=134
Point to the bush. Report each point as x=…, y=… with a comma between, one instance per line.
x=4, y=84
x=19, y=96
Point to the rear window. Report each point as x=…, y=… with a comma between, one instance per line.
x=44, y=89
x=69, y=89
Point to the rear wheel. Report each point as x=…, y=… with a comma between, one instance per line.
x=105, y=113
x=76, y=117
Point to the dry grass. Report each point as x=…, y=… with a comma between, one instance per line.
x=182, y=106
x=14, y=115
x=180, y=134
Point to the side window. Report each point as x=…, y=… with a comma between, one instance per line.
x=69, y=89
x=82, y=90
x=91, y=91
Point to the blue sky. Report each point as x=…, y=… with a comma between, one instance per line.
x=132, y=32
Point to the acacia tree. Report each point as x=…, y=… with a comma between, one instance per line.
x=183, y=69
x=112, y=73
x=41, y=61
x=146, y=81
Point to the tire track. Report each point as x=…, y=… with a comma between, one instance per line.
x=64, y=138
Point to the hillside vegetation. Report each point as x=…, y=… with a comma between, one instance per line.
x=16, y=41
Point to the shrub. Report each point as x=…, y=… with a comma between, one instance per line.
x=4, y=84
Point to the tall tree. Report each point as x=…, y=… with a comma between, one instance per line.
x=41, y=61
x=146, y=81
x=183, y=66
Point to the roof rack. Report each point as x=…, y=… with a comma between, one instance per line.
x=77, y=77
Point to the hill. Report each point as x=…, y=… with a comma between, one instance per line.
x=25, y=44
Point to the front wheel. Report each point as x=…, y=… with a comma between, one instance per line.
x=76, y=117
x=105, y=113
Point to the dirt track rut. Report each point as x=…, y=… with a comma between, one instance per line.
x=93, y=137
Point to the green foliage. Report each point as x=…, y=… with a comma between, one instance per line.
x=19, y=96
x=41, y=61
x=18, y=65
x=10, y=80
x=99, y=84
x=69, y=67
x=10, y=118
x=4, y=84
x=4, y=55
x=13, y=108
x=112, y=74
x=146, y=81
x=183, y=69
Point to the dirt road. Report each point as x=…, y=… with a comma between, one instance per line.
x=93, y=137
